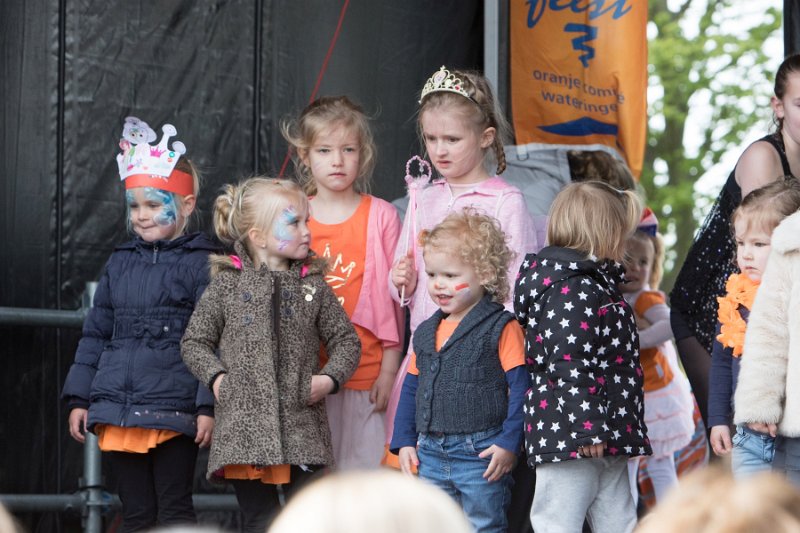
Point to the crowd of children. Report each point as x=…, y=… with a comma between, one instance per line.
x=281, y=347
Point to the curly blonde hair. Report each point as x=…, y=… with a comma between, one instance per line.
x=479, y=243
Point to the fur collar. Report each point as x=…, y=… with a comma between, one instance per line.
x=786, y=237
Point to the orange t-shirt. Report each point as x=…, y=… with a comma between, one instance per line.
x=656, y=367
x=132, y=440
x=344, y=246
x=510, y=348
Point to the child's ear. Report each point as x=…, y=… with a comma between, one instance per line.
x=487, y=137
x=187, y=205
x=257, y=237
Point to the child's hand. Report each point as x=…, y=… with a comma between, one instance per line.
x=770, y=429
x=408, y=460
x=381, y=389
x=77, y=423
x=642, y=323
x=215, y=385
x=404, y=274
x=502, y=462
x=321, y=386
x=593, y=450
x=205, y=428
x=721, y=440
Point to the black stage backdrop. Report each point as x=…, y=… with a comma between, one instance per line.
x=225, y=73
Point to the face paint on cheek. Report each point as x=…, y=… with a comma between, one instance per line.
x=282, y=229
x=130, y=199
x=168, y=215
x=462, y=289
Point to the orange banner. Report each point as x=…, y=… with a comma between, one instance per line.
x=579, y=73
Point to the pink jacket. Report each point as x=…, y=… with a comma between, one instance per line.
x=493, y=197
x=375, y=309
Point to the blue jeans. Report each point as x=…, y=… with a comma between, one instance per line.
x=752, y=452
x=451, y=463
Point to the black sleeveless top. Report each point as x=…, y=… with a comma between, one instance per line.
x=710, y=261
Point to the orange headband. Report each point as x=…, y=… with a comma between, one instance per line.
x=178, y=182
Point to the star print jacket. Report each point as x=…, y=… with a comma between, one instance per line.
x=582, y=352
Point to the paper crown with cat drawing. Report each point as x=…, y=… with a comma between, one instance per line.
x=144, y=165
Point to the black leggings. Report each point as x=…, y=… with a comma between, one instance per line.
x=259, y=502
x=156, y=487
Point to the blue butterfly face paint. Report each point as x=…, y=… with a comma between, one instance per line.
x=152, y=213
x=169, y=210
x=290, y=237
x=283, y=227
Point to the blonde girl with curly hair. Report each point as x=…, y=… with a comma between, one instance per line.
x=459, y=419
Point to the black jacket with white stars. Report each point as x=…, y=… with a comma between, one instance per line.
x=582, y=351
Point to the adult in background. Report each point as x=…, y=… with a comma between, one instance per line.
x=709, y=262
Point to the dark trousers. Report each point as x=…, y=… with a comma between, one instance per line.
x=519, y=511
x=260, y=502
x=156, y=487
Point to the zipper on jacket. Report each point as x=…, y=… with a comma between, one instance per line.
x=155, y=254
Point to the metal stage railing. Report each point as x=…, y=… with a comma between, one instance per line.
x=92, y=499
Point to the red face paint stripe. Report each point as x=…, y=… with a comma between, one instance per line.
x=462, y=286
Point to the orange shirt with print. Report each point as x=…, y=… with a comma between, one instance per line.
x=344, y=246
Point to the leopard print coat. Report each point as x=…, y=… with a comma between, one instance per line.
x=263, y=329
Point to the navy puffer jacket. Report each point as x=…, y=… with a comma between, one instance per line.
x=128, y=369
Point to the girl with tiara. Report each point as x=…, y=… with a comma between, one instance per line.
x=254, y=339
x=129, y=384
x=357, y=233
x=462, y=129
x=585, y=412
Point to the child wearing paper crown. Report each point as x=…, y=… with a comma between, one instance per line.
x=357, y=233
x=128, y=383
x=753, y=223
x=255, y=339
x=462, y=128
x=668, y=402
x=460, y=416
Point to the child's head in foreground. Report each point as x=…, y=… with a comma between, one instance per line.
x=371, y=501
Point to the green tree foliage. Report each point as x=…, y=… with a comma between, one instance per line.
x=715, y=68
